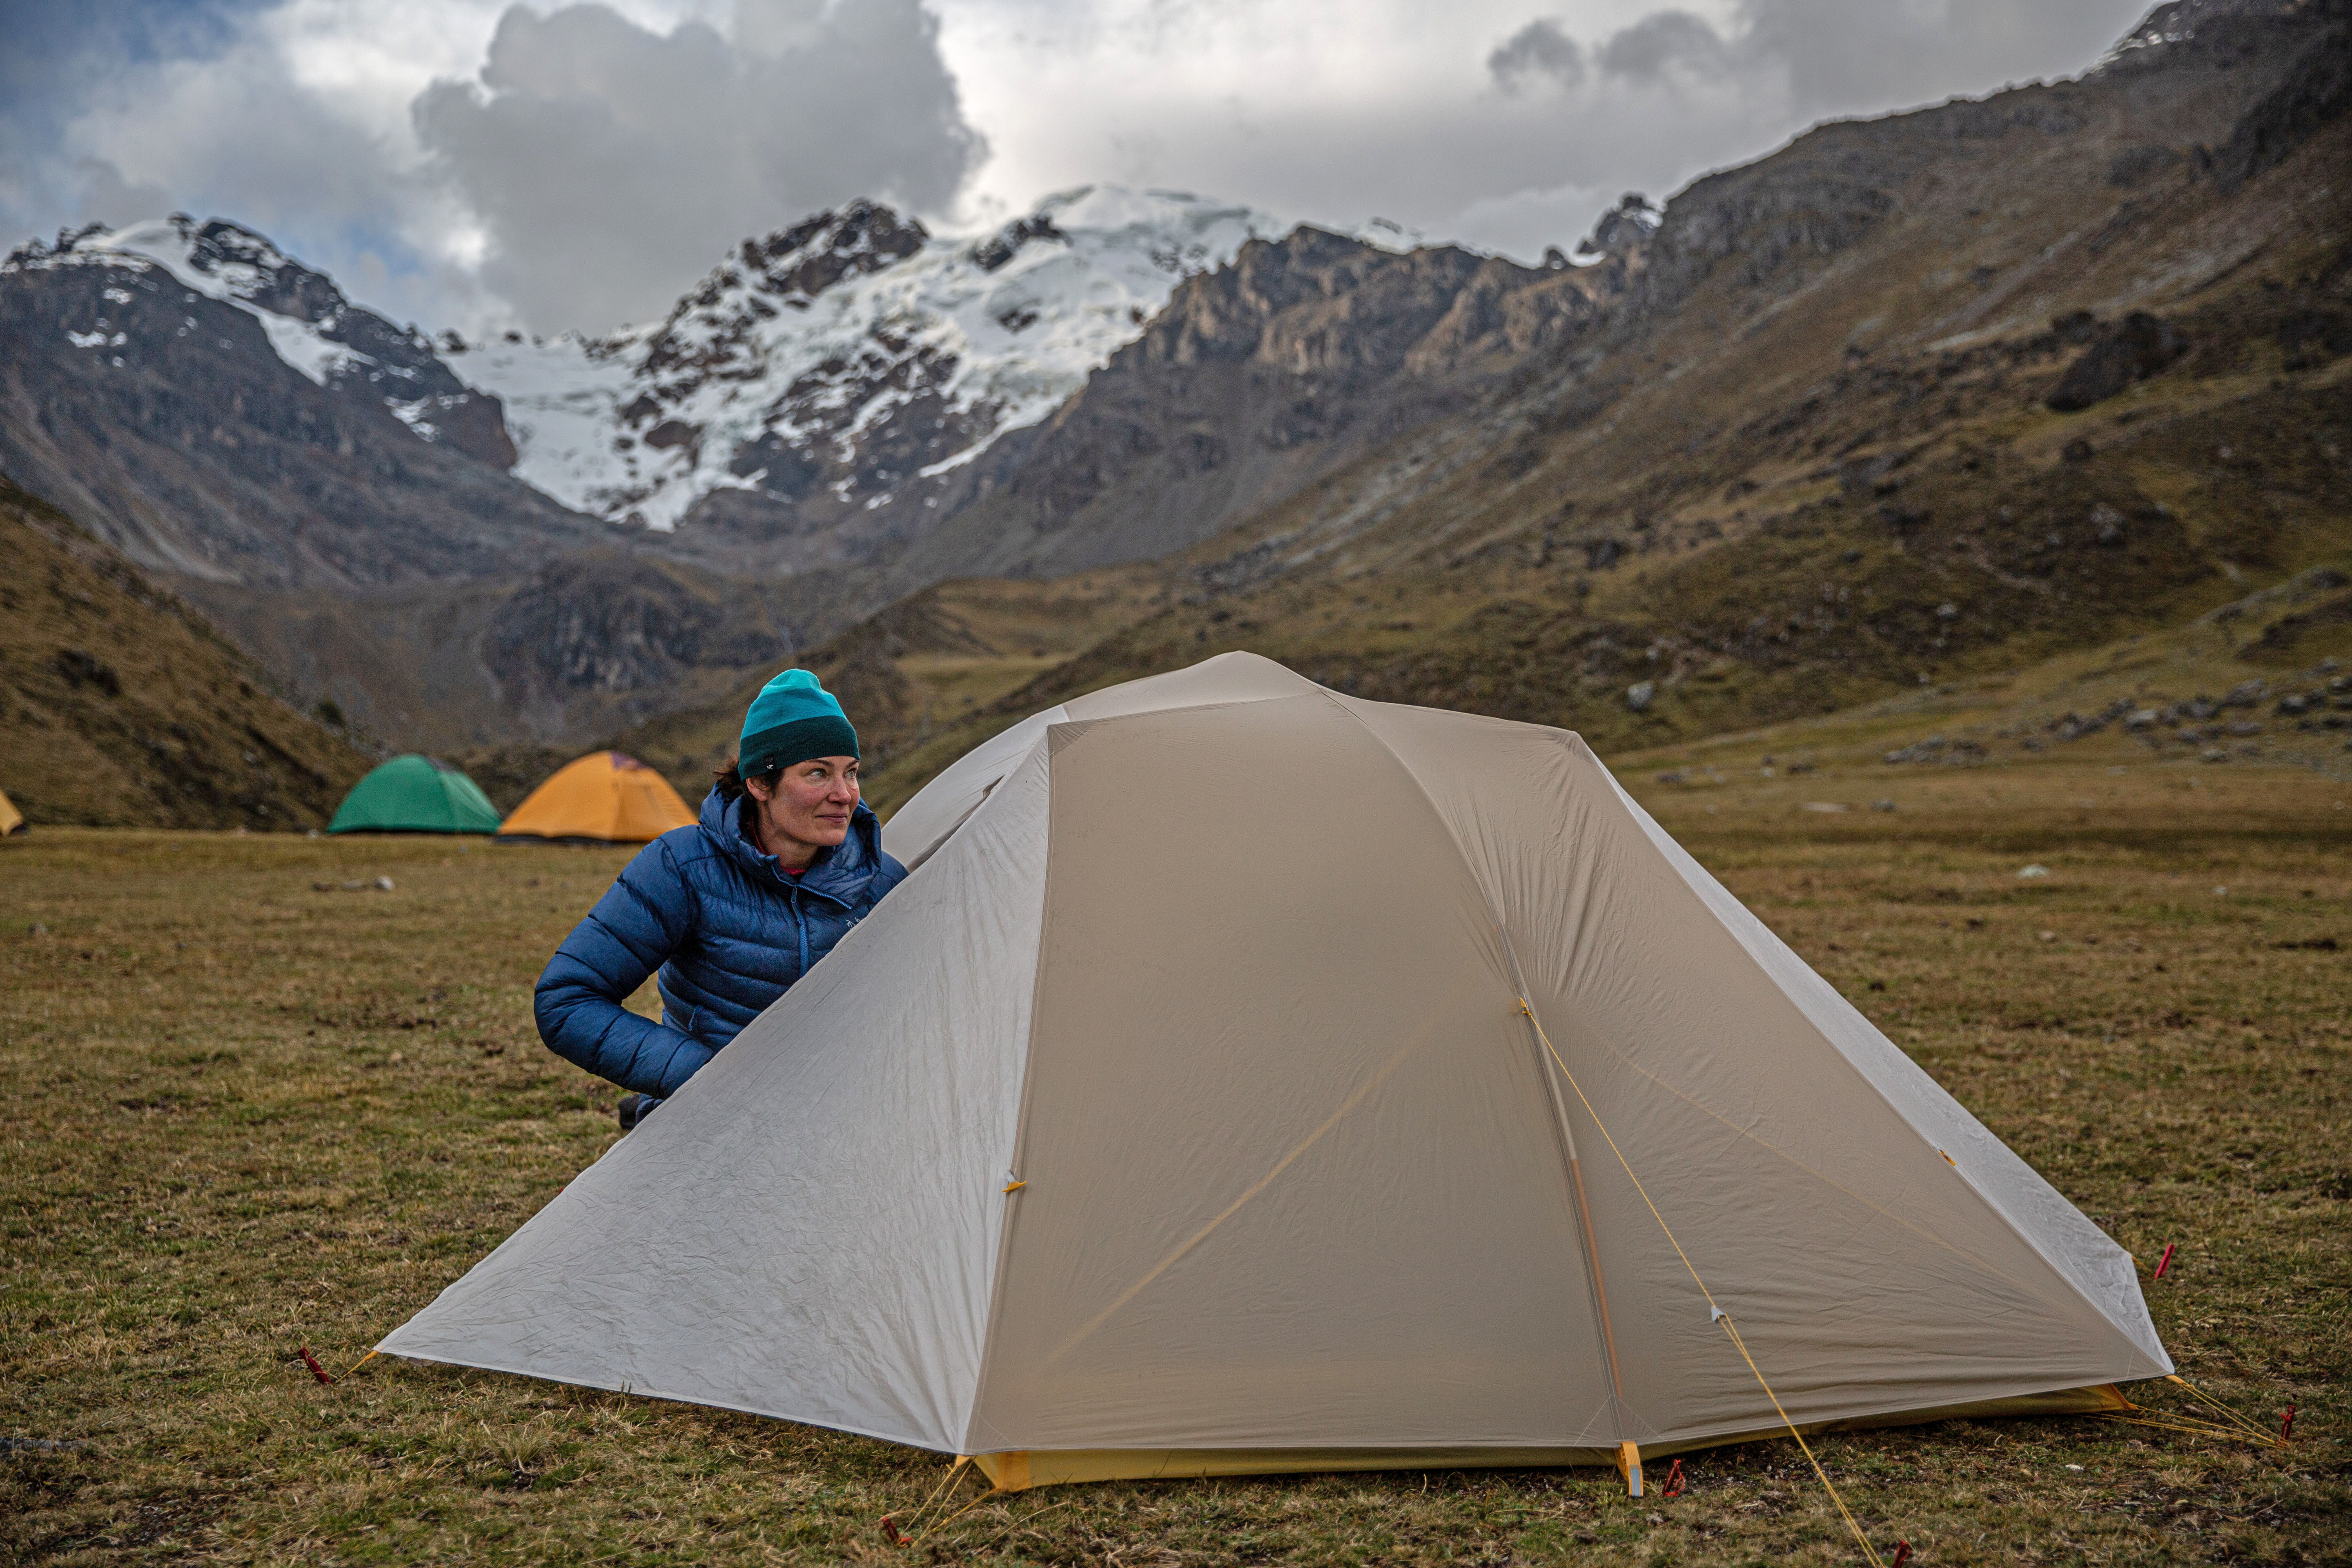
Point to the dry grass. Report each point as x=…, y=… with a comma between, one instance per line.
x=245, y=1115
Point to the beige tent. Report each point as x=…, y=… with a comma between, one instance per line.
x=1254, y=1079
x=11, y=819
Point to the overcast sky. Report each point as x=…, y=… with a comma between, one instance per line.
x=474, y=162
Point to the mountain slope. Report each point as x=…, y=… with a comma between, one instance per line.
x=324, y=487
x=828, y=387
x=118, y=705
x=217, y=411
x=1256, y=380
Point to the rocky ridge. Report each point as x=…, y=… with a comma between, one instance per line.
x=341, y=346
x=826, y=388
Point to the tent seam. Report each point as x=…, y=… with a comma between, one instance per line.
x=1042, y=752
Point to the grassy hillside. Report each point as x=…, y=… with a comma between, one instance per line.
x=121, y=705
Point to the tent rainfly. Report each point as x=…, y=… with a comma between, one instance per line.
x=1252, y=1078
x=605, y=797
x=11, y=819
x=414, y=793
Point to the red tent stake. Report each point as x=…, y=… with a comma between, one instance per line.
x=2165, y=1261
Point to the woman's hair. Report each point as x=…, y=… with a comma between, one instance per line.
x=730, y=779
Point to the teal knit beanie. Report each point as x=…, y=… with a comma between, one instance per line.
x=792, y=720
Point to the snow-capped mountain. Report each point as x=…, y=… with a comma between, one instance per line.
x=851, y=359
x=311, y=325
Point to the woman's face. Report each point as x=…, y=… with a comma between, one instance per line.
x=808, y=809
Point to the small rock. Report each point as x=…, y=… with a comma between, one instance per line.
x=39, y=929
x=2050, y=936
x=1640, y=695
x=1881, y=806
x=2245, y=695
x=383, y=884
x=2075, y=451
x=2221, y=891
x=2033, y=873
x=322, y=887
x=1827, y=806
x=1947, y=612
x=2145, y=718
x=1671, y=776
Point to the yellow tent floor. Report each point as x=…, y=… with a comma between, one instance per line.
x=1019, y=1471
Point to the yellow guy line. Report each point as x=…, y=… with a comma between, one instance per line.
x=917, y=1541
x=2247, y=1427
x=961, y=1460
x=1721, y=1315
x=2208, y=1399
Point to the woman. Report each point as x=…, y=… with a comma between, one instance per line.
x=732, y=911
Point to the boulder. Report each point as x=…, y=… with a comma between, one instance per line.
x=2135, y=348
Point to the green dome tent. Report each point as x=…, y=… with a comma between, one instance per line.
x=414, y=793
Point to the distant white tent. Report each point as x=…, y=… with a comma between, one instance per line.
x=1254, y=1079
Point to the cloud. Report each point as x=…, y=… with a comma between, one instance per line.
x=607, y=162
x=105, y=196
x=58, y=56
x=1667, y=94
x=1540, y=51
x=1830, y=56
x=476, y=163
x=1662, y=42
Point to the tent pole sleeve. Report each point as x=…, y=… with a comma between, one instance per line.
x=1600, y=1302
x=1600, y=1286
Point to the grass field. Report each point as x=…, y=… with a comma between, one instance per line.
x=254, y=1103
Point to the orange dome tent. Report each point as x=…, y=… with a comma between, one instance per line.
x=606, y=797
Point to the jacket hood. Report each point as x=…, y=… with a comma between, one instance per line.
x=840, y=873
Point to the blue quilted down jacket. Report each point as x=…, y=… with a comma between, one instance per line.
x=726, y=928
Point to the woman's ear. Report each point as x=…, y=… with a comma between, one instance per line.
x=759, y=789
